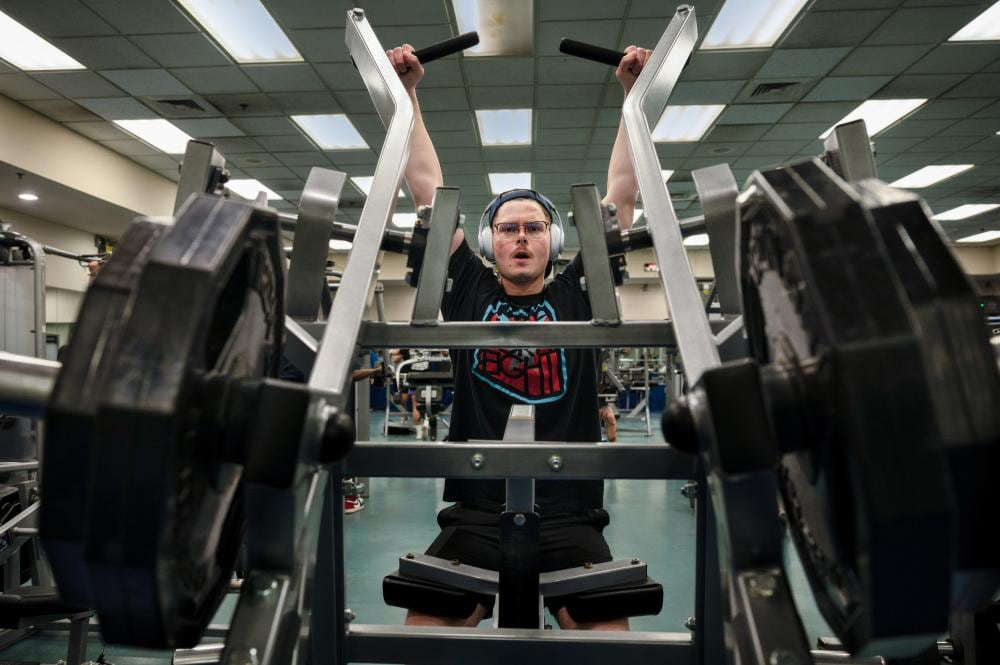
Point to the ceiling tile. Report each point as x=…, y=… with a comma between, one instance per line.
x=950, y=108
x=499, y=71
x=146, y=17
x=788, y=131
x=876, y=60
x=235, y=146
x=340, y=76
x=801, y=62
x=819, y=112
x=956, y=59
x=214, y=80
x=825, y=29
x=263, y=172
x=104, y=52
x=945, y=144
x=601, y=33
x=305, y=102
x=236, y=106
x=310, y=14
x=412, y=12
x=342, y=158
x=559, y=118
x=837, y=88
x=442, y=74
x=500, y=97
x=931, y=25
x=454, y=139
x=303, y=158
x=358, y=101
x=977, y=85
x=78, y=85
x=320, y=45
x=733, y=133
x=189, y=50
x=910, y=127
x=459, y=154
x=563, y=151
x=750, y=114
x=891, y=146
x=267, y=126
x=131, y=147
x=448, y=120
x=255, y=160
x=61, y=110
x=208, y=127
x=284, y=77
x=22, y=88
x=581, y=9
x=508, y=153
x=570, y=136
x=920, y=85
x=443, y=99
x=722, y=151
x=776, y=148
x=671, y=150
x=564, y=70
x=716, y=65
x=974, y=127
x=991, y=111
x=138, y=82
x=290, y=143
x=705, y=92
x=57, y=18
x=98, y=131
x=118, y=108
x=665, y=10
x=568, y=96
x=418, y=36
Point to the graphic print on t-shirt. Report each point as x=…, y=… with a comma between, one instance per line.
x=533, y=376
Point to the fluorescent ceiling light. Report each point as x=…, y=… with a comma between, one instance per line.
x=697, y=240
x=684, y=124
x=244, y=29
x=27, y=196
x=750, y=23
x=249, y=189
x=985, y=236
x=502, y=182
x=160, y=134
x=963, y=212
x=666, y=174
x=985, y=27
x=879, y=114
x=636, y=214
x=364, y=185
x=505, y=27
x=931, y=175
x=331, y=132
x=29, y=52
x=405, y=220
x=504, y=127
x=340, y=245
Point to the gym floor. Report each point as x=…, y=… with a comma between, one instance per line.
x=649, y=519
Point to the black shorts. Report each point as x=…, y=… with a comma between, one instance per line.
x=567, y=540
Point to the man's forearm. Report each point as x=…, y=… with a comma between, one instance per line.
x=423, y=170
x=623, y=186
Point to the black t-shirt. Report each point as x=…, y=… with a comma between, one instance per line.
x=561, y=383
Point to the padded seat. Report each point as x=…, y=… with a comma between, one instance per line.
x=31, y=605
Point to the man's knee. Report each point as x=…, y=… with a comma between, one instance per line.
x=566, y=622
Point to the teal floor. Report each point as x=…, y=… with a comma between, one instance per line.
x=649, y=520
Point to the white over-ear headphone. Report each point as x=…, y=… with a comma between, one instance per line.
x=486, y=222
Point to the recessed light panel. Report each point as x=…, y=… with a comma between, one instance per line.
x=685, y=124
x=505, y=27
x=965, y=211
x=750, y=23
x=504, y=126
x=502, y=182
x=364, y=185
x=697, y=240
x=931, y=175
x=29, y=52
x=245, y=29
x=879, y=114
x=161, y=134
x=985, y=236
x=331, y=131
x=985, y=27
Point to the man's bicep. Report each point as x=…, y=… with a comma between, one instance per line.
x=457, y=240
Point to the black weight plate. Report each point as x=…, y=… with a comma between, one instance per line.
x=72, y=408
x=868, y=497
x=964, y=382
x=165, y=520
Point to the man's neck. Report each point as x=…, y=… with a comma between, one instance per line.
x=529, y=289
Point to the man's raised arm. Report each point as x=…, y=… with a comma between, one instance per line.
x=423, y=170
x=623, y=186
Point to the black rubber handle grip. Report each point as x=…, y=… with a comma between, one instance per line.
x=447, y=47
x=590, y=52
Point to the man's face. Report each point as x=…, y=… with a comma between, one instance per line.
x=521, y=258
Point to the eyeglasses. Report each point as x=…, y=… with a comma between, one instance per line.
x=510, y=230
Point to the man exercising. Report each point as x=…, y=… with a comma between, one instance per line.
x=521, y=233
